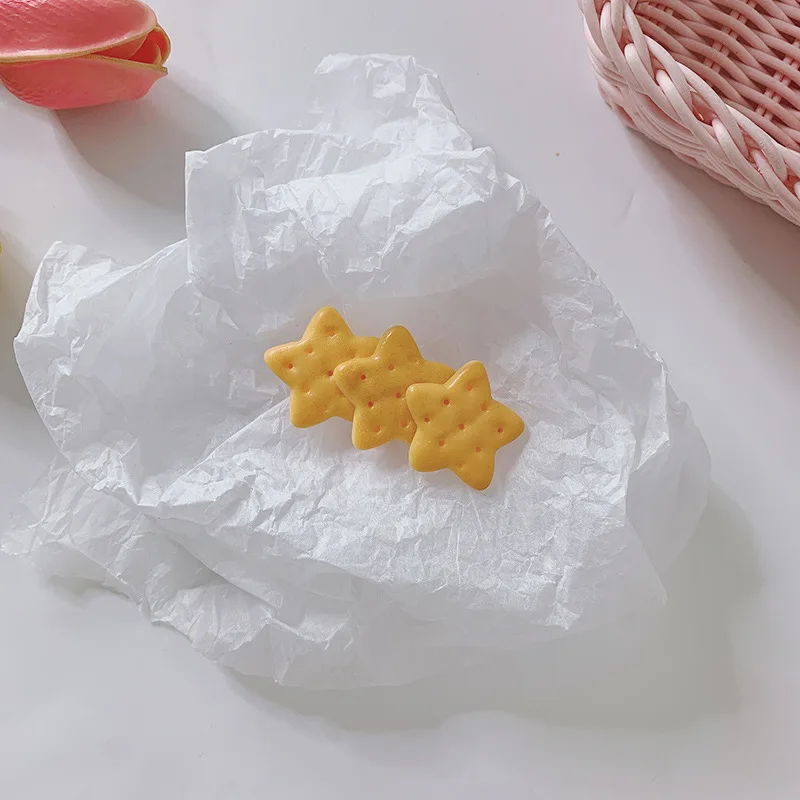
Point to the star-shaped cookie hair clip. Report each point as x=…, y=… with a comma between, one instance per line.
x=460, y=426
x=377, y=387
x=307, y=367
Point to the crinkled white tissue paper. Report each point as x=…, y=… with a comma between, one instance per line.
x=287, y=553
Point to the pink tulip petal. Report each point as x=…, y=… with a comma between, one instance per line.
x=124, y=51
x=159, y=36
x=32, y=30
x=79, y=82
x=153, y=50
x=148, y=53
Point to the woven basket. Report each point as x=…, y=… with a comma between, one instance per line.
x=717, y=82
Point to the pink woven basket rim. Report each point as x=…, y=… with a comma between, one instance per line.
x=675, y=106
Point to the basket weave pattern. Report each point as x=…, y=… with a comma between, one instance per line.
x=715, y=81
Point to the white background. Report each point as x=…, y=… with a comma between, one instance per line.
x=701, y=701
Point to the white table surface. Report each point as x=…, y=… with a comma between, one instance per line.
x=701, y=701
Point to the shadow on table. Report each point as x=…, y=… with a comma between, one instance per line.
x=766, y=242
x=660, y=672
x=15, y=281
x=141, y=146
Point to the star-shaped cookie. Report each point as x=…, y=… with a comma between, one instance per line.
x=460, y=426
x=377, y=387
x=307, y=367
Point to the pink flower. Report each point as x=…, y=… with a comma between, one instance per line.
x=74, y=53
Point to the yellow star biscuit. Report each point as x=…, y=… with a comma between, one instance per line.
x=460, y=426
x=307, y=367
x=377, y=387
